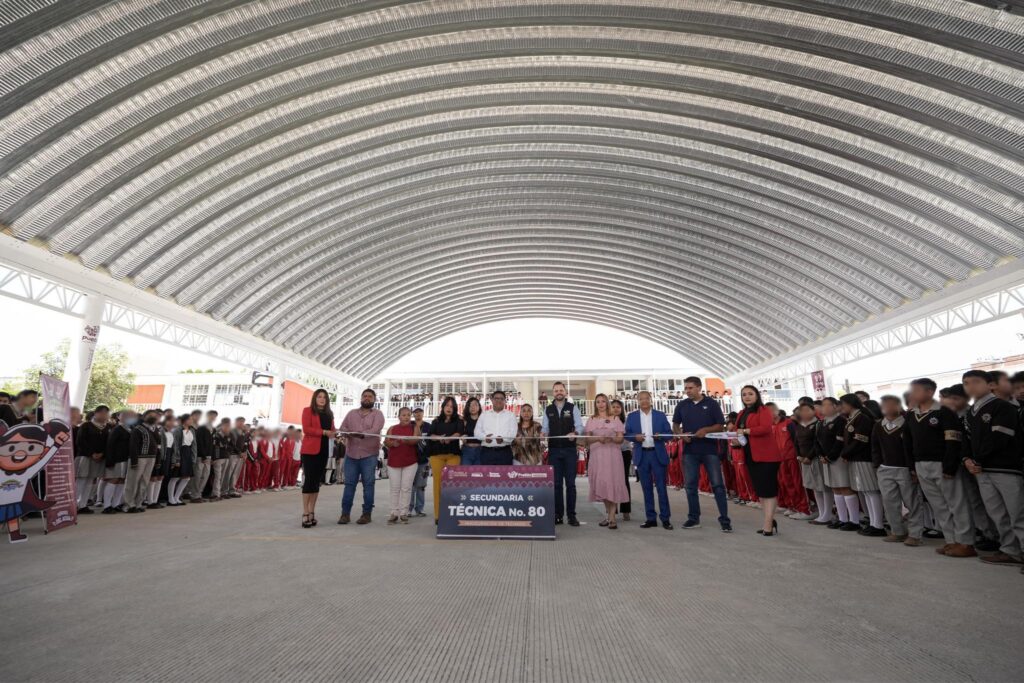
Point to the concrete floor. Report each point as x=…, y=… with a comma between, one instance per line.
x=236, y=591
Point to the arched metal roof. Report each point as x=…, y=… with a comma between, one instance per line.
x=353, y=179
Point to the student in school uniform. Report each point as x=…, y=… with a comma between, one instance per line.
x=986, y=537
x=994, y=458
x=116, y=462
x=891, y=455
x=805, y=428
x=90, y=445
x=857, y=453
x=792, y=497
x=830, y=439
x=935, y=434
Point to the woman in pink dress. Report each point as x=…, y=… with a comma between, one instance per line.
x=605, y=475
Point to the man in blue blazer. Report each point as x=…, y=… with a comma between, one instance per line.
x=650, y=456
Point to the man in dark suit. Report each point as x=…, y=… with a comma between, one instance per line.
x=651, y=457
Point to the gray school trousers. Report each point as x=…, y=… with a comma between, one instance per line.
x=1003, y=495
x=899, y=491
x=949, y=502
x=137, y=482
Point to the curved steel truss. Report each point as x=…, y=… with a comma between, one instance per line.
x=352, y=179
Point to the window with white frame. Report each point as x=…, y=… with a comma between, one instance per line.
x=232, y=394
x=195, y=395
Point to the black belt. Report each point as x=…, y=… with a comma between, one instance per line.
x=648, y=449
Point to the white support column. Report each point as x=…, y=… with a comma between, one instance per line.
x=386, y=407
x=483, y=388
x=536, y=393
x=78, y=368
x=278, y=371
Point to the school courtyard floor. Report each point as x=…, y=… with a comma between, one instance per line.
x=236, y=591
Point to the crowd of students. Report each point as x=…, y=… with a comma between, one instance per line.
x=917, y=466
x=130, y=462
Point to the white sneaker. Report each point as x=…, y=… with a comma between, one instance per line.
x=801, y=516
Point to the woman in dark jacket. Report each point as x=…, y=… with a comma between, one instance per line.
x=444, y=451
x=470, y=447
x=761, y=454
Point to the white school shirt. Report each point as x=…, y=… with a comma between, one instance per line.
x=297, y=451
x=646, y=426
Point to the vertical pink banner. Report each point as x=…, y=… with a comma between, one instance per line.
x=60, y=471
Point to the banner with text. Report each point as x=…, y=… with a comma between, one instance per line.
x=497, y=502
x=60, y=470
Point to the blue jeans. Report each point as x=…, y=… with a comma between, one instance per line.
x=418, y=500
x=691, y=475
x=354, y=469
x=563, y=460
x=652, y=477
x=470, y=455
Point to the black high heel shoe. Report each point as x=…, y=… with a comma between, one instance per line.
x=773, y=532
x=312, y=518
x=305, y=520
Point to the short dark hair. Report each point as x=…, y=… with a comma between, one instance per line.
x=4, y=394
x=805, y=400
x=830, y=399
x=996, y=375
x=27, y=392
x=418, y=410
x=693, y=380
x=956, y=390
x=1017, y=377
x=890, y=397
x=226, y=421
x=852, y=400
x=499, y=391
x=101, y=408
x=212, y=412
x=555, y=384
x=197, y=411
x=979, y=374
x=368, y=390
x=861, y=392
x=926, y=382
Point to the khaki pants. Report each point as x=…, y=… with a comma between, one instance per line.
x=217, y=468
x=899, y=491
x=948, y=501
x=1003, y=495
x=437, y=464
x=400, y=480
x=137, y=483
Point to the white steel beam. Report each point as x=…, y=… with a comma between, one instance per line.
x=32, y=274
x=989, y=296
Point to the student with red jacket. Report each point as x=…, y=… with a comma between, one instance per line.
x=791, y=485
x=755, y=424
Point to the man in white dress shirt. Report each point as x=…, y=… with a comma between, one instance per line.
x=496, y=429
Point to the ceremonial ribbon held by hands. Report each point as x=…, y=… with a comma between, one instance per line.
x=663, y=437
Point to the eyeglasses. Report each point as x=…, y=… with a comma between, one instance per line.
x=29, y=448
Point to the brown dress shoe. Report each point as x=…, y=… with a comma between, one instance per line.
x=961, y=550
x=943, y=549
x=912, y=542
x=344, y=519
x=365, y=519
x=893, y=538
x=1002, y=558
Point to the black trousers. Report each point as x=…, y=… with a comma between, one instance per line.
x=627, y=460
x=500, y=455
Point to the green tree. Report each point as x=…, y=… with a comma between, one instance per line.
x=111, y=382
